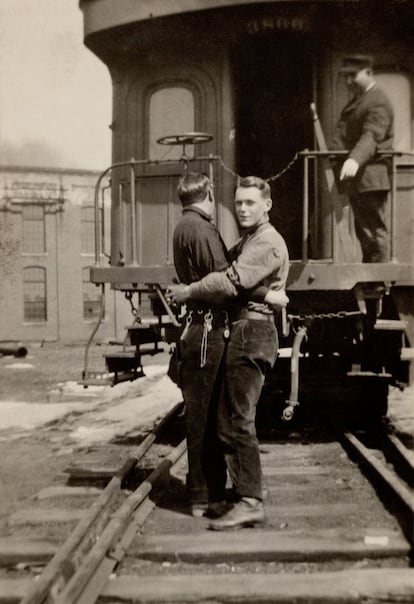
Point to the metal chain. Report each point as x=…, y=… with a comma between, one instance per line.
x=330, y=315
x=134, y=310
x=271, y=178
x=285, y=169
x=227, y=169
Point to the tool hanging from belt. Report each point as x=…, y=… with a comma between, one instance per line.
x=207, y=322
x=207, y=327
x=188, y=321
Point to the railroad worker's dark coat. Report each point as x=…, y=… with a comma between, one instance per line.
x=364, y=128
x=198, y=250
x=198, y=247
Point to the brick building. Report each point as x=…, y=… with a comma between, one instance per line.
x=46, y=247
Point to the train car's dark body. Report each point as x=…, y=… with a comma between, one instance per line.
x=246, y=73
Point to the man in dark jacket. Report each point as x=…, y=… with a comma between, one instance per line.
x=364, y=128
x=198, y=250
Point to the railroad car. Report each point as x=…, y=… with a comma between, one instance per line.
x=234, y=88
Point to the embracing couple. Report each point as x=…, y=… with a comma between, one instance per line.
x=228, y=343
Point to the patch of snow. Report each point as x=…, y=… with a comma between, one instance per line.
x=27, y=416
x=125, y=409
x=131, y=415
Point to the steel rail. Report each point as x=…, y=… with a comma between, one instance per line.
x=118, y=527
x=390, y=480
x=398, y=454
x=85, y=531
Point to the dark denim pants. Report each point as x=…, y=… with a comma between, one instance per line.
x=201, y=388
x=251, y=352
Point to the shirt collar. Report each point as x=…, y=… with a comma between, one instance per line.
x=256, y=227
x=192, y=208
x=361, y=94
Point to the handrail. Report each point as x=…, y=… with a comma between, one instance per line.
x=342, y=152
x=132, y=163
x=316, y=154
x=184, y=160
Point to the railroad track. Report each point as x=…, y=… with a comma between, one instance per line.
x=333, y=533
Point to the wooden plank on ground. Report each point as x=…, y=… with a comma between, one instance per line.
x=15, y=550
x=305, y=487
x=92, y=472
x=296, y=510
x=351, y=586
x=13, y=590
x=35, y=516
x=299, y=470
x=66, y=491
x=268, y=545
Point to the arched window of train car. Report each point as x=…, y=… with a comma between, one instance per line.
x=397, y=88
x=171, y=111
x=34, y=294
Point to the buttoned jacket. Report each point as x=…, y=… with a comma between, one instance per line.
x=364, y=128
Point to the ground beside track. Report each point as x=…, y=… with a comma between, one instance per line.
x=34, y=457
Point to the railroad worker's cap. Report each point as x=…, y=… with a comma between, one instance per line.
x=354, y=63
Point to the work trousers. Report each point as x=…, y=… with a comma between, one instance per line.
x=251, y=352
x=370, y=213
x=201, y=388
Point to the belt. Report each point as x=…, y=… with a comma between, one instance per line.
x=256, y=316
x=219, y=318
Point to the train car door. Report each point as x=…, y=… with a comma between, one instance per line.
x=175, y=100
x=274, y=89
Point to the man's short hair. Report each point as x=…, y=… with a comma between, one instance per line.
x=258, y=183
x=193, y=187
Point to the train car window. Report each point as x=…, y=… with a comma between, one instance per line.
x=34, y=294
x=397, y=87
x=34, y=229
x=171, y=111
x=87, y=230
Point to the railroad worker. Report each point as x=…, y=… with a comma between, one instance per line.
x=259, y=258
x=198, y=250
x=364, y=128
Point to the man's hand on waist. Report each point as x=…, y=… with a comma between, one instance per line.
x=276, y=299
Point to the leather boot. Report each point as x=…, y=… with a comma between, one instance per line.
x=247, y=512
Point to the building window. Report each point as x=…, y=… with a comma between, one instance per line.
x=91, y=296
x=34, y=229
x=171, y=111
x=397, y=87
x=34, y=294
x=87, y=230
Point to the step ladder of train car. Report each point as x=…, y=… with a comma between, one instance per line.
x=126, y=364
x=146, y=338
x=382, y=325
x=141, y=338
